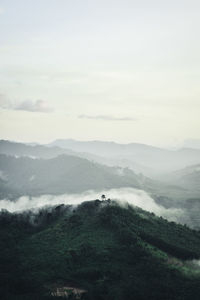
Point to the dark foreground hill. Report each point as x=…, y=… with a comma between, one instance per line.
x=98, y=250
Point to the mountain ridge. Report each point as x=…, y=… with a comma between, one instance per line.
x=157, y=160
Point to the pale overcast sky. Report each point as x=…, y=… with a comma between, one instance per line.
x=121, y=70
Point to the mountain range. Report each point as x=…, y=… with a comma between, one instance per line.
x=188, y=177
x=61, y=174
x=148, y=160
x=142, y=158
x=34, y=170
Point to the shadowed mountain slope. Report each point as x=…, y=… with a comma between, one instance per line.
x=59, y=175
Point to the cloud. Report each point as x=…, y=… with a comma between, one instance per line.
x=106, y=118
x=34, y=106
x=31, y=106
x=123, y=196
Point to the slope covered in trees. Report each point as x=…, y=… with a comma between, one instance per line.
x=107, y=251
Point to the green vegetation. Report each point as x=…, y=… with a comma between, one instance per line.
x=111, y=252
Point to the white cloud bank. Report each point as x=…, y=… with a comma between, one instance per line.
x=123, y=196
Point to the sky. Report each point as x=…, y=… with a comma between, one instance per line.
x=123, y=70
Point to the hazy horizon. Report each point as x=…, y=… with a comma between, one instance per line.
x=187, y=143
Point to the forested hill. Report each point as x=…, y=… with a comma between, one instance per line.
x=100, y=249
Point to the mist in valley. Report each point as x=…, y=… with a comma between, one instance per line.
x=59, y=175
x=123, y=196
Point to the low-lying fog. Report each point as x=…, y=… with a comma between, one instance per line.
x=122, y=195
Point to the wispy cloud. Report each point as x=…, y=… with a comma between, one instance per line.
x=31, y=106
x=106, y=118
x=35, y=106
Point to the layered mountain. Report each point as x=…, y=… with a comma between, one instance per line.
x=188, y=177
x=192, y=143
x=29, y=150
x=147, y=159
x=36, y=170
x=99, y=251
x=59, y=175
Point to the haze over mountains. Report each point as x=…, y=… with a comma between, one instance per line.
x=35, y=170
x=62, y=174
x=188, y=177
x=144, y=158
x=149, y=160
x=30, y=150
x=191, y=143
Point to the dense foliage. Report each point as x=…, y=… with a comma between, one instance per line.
x=111, y=252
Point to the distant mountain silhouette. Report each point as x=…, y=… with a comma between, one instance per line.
x=147, y=159
x=62, y=174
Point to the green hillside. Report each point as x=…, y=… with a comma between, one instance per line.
x=107, y=251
